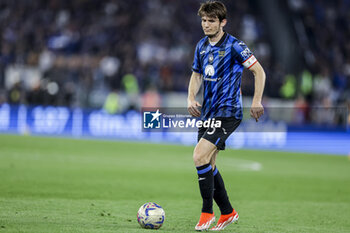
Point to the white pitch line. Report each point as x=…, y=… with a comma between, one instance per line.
x=242, y=164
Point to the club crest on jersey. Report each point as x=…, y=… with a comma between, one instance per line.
x=211, y=58
x=209, y=70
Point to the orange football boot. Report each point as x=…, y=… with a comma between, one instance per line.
x=225, y=220
x=205, y=221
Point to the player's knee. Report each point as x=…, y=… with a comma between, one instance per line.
x=200, y=158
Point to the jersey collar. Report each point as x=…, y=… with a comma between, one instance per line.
x=206, y=43
x=221, y=40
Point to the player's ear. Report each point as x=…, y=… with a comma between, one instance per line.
x=223, y=22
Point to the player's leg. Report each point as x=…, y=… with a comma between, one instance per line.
x=201, y=156
x=228, y=214
x=203, y=152
x=220, y=194
x=213, y=159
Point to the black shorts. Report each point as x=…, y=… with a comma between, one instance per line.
x=218, y=136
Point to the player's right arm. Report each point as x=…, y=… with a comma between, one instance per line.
x=193, y=88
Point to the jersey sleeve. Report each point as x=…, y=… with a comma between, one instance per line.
x=243, y=54
x=196, y=65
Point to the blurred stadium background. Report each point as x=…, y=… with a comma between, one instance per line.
x=86, y=68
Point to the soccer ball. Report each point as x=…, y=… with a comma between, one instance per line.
x=151, y=216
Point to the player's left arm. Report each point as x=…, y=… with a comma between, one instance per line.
x=257, y=109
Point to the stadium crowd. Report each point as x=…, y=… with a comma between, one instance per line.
x=326, y=47
x=85, y=49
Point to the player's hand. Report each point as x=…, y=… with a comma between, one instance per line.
x=193, y=107
x=256, y=111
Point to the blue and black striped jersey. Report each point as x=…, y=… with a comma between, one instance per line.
x=221, y=66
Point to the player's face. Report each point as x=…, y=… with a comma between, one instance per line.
x=211, y=26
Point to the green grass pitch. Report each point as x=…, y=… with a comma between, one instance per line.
x=68, y=185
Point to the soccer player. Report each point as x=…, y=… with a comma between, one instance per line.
x=218, y=64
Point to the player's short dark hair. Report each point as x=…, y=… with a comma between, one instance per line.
x=213, y=9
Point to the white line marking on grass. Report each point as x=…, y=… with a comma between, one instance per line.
x=241, y=164
x=253, y=166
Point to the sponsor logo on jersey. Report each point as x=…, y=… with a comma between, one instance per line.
x=212, y=79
